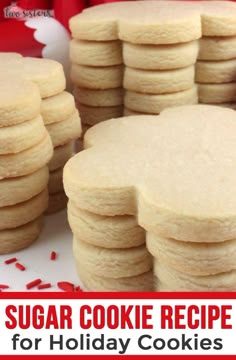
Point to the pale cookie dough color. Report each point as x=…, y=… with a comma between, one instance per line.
x=64, y=131
x=179, y=281
x=46, y=73
x=199, y=259
x=96, y=53
x=152, y=22
x=19, y=101
x=158, y=82
x=218, y=18
x=97, y=77
x=154, y=104
x=113, y=263
x=13, y=240
x=105, y=231
x=27, y=161
x=175, y=172
x=57, y=108
x=98, y=23
x=160, y=57
x=143, y=282
x=214, y=72
x=23, y=213
x=99, y=98
x=20, y=137
x=19, y=189
x=217, y=48
x=9, y=57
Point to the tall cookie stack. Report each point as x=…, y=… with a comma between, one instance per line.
x=176, y=173
x=159, y=70
x=97, y=73
x=60, y=117
x=110, y=251
x=25, y=150
x=216, y=65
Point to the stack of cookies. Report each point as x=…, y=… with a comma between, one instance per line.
x=25, y=150
x=61, y=119
x=176, y=173
x=161, y=42
x=110, y=251
x=97, y=73
x=59, y=114
x=216, y=70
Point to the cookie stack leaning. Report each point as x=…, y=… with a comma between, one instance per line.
x=110, y=251
x=97, y=75
x=216, y=65
x=25, y=150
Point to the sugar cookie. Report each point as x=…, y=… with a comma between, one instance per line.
x=27, y=161
x=198, y=259
x=154, y=104
x=97, y=77
x=99, y=98
x=94, y=115
x=20, y=137
x=64, y=131
x=173, y=280
x=96, y=53
x=20, y=189
x=57, y=108
x=22, y=213
x=213, y=72
x=61, y=155
x=158, y=82
x=19, y=101
x=217, y=93
x=177, y=181
x=105, y=231
x=217, y=48
x=13, y=240
x=143, y=282
x=113, y=263
x=160, y=57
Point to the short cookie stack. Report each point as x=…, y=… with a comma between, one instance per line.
x=110, y=251
x=176, y=173
x=59, y=114
x=159, y=73
x=25, y=150
x=97, y=73
x=216, y=71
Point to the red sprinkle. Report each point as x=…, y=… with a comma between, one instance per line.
x=20, y=266
x=2, y=287
x=10, y=261
x=78, y=289
x=44, y=286
x=33, y=283
x=53, y=255
x=65, y=286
